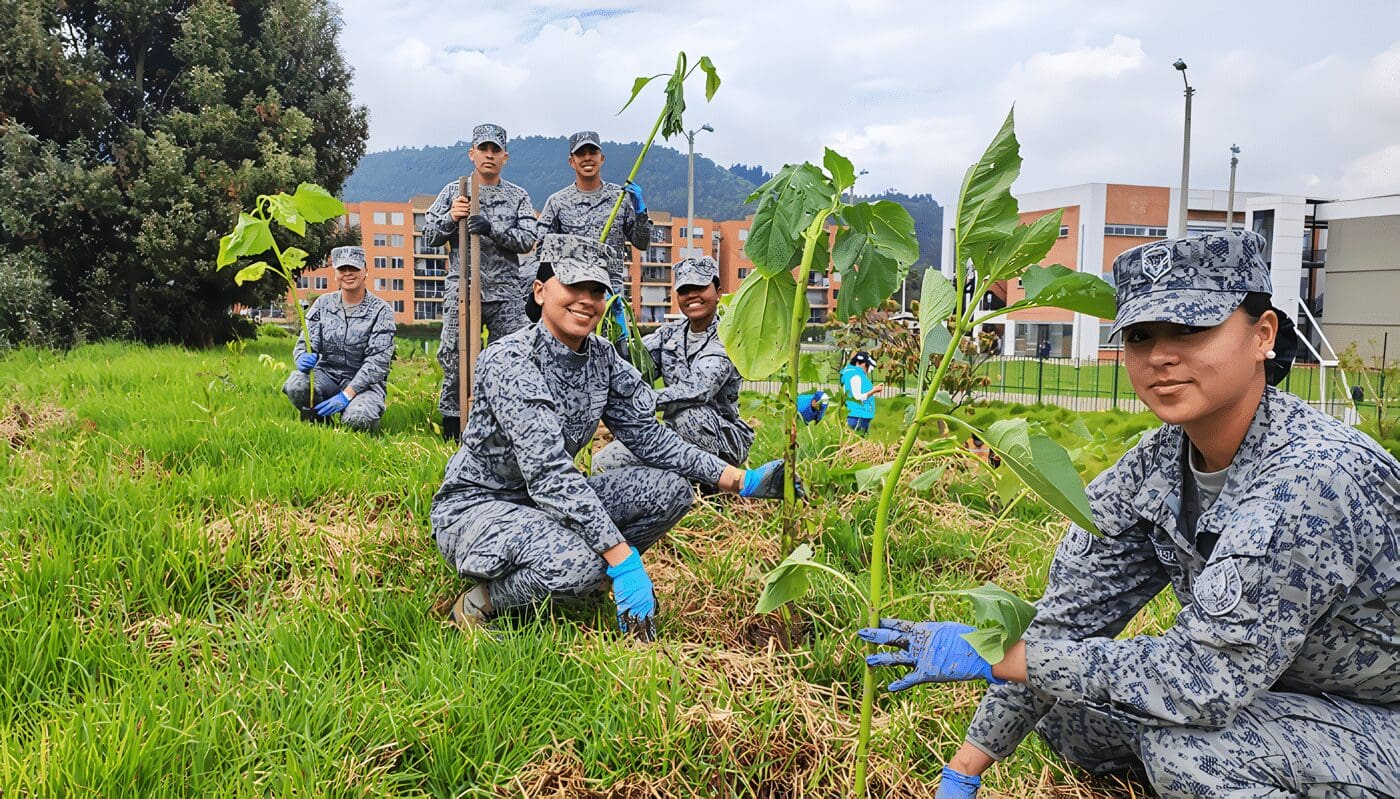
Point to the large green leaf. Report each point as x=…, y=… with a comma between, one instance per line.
x=937, y=300
x=250, y=273
x=316, y=204
x=1028, y=244
x=756, y=327
x=1001, y=618
x=249, y=237
x=1061, y=287
x=293, y=258
x=1044, y=466
x=786, y=582
x=869, y=284
x=711, y=77
x=986, y=209
x=284, y=210
x=637, y=85
x=770, y=245
x=891, y=229
x=872, y=477
x=840, y=169
x=928, y=479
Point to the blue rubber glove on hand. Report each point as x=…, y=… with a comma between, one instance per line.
x=306, y=362
x=935, y=650
x=333, y=405
x=766, y=482
x=619, y=316
x=812, y=406
x=957, y=785
x=635, y=597
x=634, y=193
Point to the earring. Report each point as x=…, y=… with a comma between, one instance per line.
x=1271, y=355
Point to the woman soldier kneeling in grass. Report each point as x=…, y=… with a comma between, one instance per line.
x=514, y=514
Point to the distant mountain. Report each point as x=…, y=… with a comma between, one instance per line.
x=539, y=164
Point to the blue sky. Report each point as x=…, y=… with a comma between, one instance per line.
x=912, y=91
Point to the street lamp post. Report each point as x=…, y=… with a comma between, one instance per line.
x=851, y=192
x=690, y=188
x=1230, y=204
x=1185, y=152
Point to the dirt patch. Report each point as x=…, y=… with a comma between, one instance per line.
x=20, y=423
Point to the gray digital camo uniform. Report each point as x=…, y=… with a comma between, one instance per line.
x=701, y=398
x=1281, y=673
x=356, y=344
x=514, y=512
x=512, y=217
x=583, y=213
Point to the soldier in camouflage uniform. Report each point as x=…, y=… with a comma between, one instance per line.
x=352, y=333
x=582, y=208
x=1274, y=525
x=701, y=398
x=514, y=513
x=506, y=226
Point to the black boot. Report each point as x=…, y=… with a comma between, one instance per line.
x=452, y=429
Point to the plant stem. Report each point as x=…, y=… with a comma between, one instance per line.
x=636, y=167
x=811, y=236
x=296, y=304
x=877, y=545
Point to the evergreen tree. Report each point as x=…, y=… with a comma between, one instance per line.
x=131, y=132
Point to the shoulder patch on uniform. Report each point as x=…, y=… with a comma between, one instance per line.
x=1166, y=554
x=644, y=401
x=1219, y=588
x=1077, y=541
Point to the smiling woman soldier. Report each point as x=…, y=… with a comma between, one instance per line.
x=1276, y=528
x=514, y=513
x=701, y=398
x=352, y=332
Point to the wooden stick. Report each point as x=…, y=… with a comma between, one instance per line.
x=463, y=317
x=474, y=338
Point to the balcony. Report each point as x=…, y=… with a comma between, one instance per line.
x=657, y=255
x=660, y=235
x=430, y=270
x=816, y=299
x=656, y=274
x=419, y=248
x=428, y=289
x=656, y=295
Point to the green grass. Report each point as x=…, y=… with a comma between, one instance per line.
x=202, y=595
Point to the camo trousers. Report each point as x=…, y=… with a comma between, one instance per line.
x=1281, y=745
x=700, y=425
x=362, y=413
x=499, y=318
x=525, y=556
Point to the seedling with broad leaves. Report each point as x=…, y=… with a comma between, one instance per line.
x=990, y=245
x=253, y=236
x=669, y=123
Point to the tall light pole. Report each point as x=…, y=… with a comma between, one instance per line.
x=1185, y=153
x=1230, y=204
x=690, y=188
x=851, y=192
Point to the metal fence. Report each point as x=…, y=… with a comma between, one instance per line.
x=1102, y=384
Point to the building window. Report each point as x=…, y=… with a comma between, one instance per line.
x=379, y=284
x=398, y=306
x=396, y=240
x=427, y=310
x=396, y=218
x=429, y=267
x=379, y=218
x=354, y=219
x=817, y=316
x=1138, y=231
x=380, y=262
x=419, y=220
x=1104, y=342
x=396, y=284
x=744, y=234
x=1064, y=231
x=380, y=239
x=321, y=283
x=652, y=314
x=303, y=282
x=1050, y=339
x=697, y=233
x=396, y=262
x=743, y=273
x=428, y=289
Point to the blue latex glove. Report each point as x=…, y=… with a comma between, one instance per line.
x=957, y=785
x=935, y=650
x=306, y=362
x=333, y=405
x=812, y=406
x=635, y=597
x=634, y=193
x=619, y=315
x=766, y=482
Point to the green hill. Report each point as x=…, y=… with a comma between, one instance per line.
x=539, y=164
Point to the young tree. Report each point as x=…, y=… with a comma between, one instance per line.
x=132, y=131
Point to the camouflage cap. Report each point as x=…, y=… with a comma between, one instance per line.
x=575, y=259
x=348, y=256
x=584, y=138
x=1197, y=280
x=489, y=133
x=702, y=271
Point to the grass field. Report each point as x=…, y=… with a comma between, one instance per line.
x=203, y=596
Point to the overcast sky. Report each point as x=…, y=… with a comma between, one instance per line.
x=912, y=91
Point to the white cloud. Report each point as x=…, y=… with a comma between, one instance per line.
x=1373, y=174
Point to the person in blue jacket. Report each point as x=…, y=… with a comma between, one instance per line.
x=860, y=392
